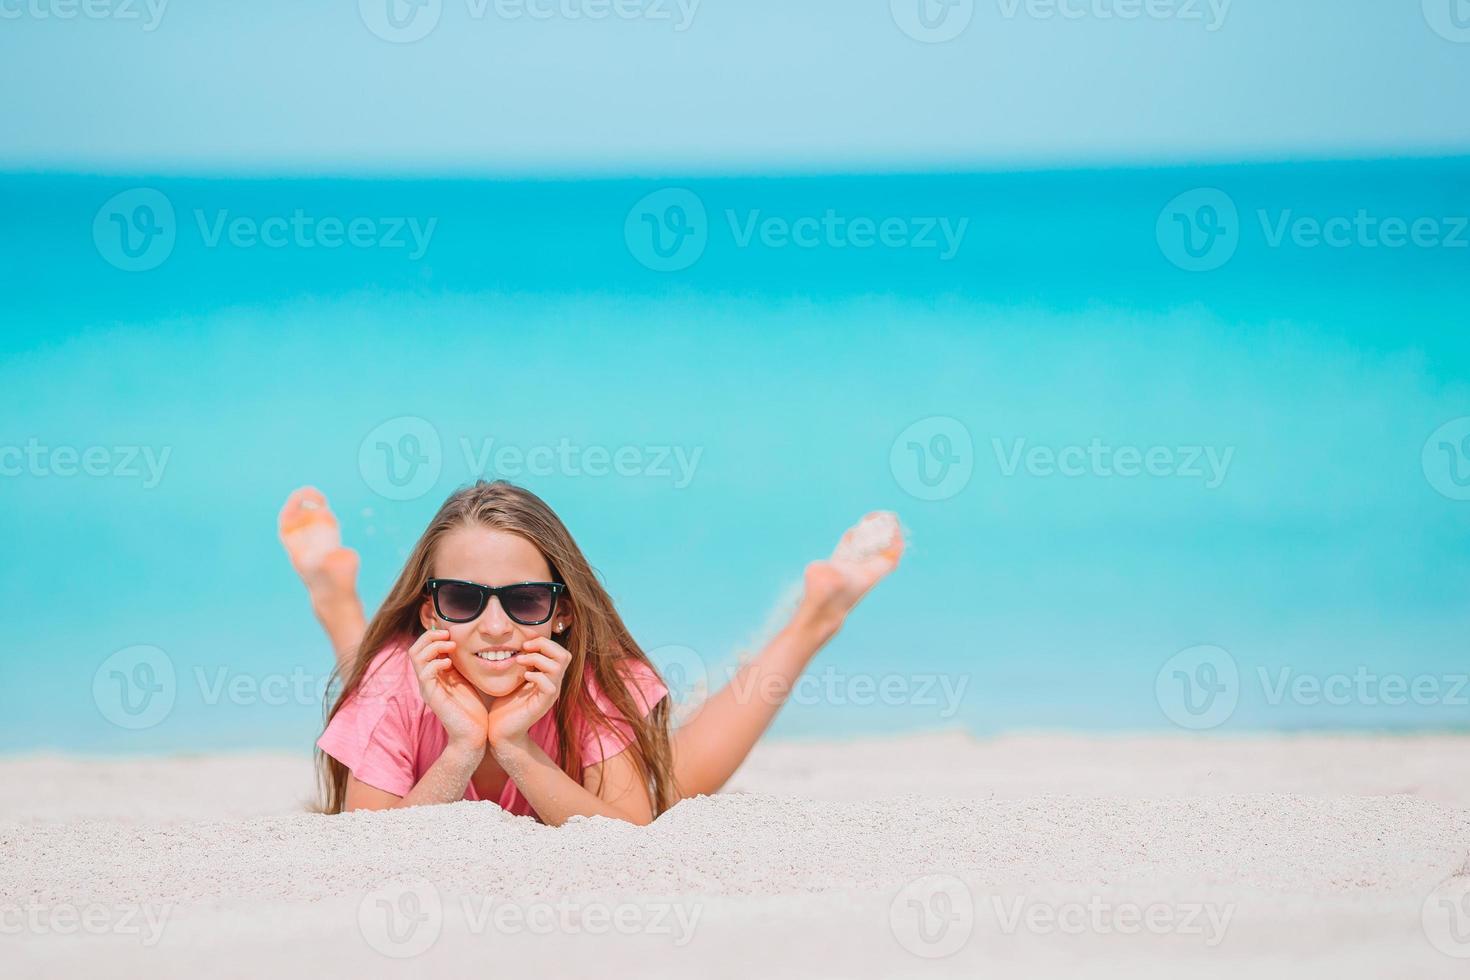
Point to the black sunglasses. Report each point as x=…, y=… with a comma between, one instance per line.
x=527, y=603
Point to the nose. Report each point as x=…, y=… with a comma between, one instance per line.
x=493, y=623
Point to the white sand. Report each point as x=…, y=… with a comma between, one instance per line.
x=1283, y=857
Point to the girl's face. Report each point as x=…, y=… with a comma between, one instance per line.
x=494, y=558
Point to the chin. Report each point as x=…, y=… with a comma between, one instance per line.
x=501, y=685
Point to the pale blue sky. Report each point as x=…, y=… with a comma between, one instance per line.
x=747, y=86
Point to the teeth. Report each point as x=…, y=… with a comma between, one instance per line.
x=495, y=655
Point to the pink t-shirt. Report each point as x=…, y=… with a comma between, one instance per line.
x=388, y=737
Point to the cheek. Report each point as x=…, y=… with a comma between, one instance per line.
x=525, y=633
x=463, y=638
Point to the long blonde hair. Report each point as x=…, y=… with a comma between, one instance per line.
x=597, y=640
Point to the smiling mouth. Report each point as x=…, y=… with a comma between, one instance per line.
x=495, y=656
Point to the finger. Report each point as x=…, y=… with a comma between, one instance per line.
x=542, y=663
x=434, y=668
x=425, y=649
x=547, y=645
x=546, y=684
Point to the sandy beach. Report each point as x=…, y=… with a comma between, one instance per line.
x=924, y=855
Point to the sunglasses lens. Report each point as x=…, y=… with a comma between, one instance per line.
x=459, y=603
x=528, y=604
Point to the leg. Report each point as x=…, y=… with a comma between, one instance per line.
x=313, y=541
x=710, y=746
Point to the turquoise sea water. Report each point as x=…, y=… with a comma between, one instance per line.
x=1130, y=461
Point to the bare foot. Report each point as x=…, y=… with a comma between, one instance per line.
x=313, y=541
x=868, y=551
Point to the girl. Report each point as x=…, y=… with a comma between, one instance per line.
x=498, y=669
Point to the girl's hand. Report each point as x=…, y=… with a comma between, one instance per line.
x=454, y=702
x=512, y=716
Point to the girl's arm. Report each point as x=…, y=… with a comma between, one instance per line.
x=445, y=782
x=711, y=745
x=615, y=789
x=557, y=797
x=458, y=708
